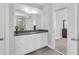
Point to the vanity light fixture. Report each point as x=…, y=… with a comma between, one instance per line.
x=34, y=11
x=30, y=11
x=27, y=10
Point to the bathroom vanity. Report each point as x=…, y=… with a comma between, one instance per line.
x=29, y=41
x=27, y=37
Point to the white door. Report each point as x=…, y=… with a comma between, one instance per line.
x=1, y=29
x=72, y=29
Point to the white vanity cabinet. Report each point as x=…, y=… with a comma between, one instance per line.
x=22, y=44
x=37, y=40
x=45, y=39
x=27, y=43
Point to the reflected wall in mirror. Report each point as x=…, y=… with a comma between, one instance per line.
x=26, y=16
x=20, y=22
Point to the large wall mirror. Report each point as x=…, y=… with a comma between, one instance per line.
x=25, y=17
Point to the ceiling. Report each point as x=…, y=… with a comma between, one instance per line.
x=25, y=9
x=36, y=5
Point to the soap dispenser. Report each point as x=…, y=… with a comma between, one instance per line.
x=34, y=27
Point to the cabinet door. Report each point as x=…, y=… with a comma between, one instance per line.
x=31, y=43
x=44, y=40
x=21, y=45
x=24, y=44
x=28, y=43
x=37, y=39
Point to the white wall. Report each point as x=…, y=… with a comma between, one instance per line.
x=11, y=31
x=78, y=20
x=29, y=24
x=51, y=27
x=8, y=28
x=78, y=28
x=46, y=22
x=2, y=19
x=72, y=29
x=43, y=18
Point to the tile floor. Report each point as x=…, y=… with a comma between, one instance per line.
x=44, y=51
x=61, y=45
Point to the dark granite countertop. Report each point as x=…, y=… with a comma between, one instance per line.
x=29, y=32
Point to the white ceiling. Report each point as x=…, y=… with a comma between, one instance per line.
x=22, y=9
x=36, y=5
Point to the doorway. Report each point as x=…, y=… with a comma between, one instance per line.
x=61, y=30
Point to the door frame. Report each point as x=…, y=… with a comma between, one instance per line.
x=9, y=28
x=54, y=23
x=72, y=44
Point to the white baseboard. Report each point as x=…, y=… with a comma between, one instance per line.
x=58, y=38
x=59, y=52
x=55, y=49
x=50, y=46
